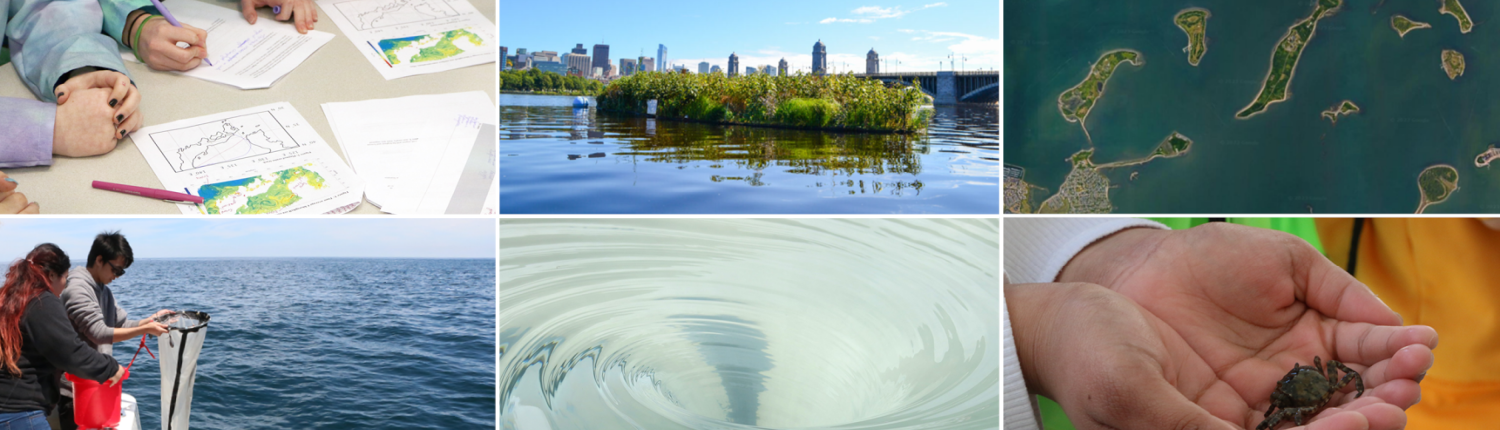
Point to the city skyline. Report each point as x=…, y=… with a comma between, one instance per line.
x=918, y=34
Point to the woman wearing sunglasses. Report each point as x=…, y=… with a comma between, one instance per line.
x=37, y=343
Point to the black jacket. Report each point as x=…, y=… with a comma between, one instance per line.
x=49, y=346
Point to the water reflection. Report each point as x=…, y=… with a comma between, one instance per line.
x=540, y=137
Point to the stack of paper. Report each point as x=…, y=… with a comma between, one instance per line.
x=411, y=37
x=430, y=154
x=261, y=160
x=243, y=55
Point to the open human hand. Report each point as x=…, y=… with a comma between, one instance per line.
x=1112, y=364
x=1251, y=303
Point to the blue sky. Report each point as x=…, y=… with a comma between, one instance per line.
x=260, y=237
x=919, y=33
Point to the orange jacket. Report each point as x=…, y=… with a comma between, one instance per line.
x=1441, y=273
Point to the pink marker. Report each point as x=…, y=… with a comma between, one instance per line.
x=148, y=192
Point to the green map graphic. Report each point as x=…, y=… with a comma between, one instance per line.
x=431, y=47
x=262, y=194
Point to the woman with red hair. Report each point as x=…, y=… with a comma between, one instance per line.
x=37, y=341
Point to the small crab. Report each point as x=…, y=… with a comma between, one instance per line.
x=1306, y=389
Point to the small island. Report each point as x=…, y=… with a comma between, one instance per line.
x=1453, y=63
x=1086, y=190
x=1484, y=158
x=1403, y=25
x=1342, y=109
x=1284, y=59
x=1437, y=184
x=1452, y=7
x=1076, y=102
x=1194, y=22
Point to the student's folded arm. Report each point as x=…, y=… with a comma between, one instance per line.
x=27, y=130
x=83, y=310
x=55, y=339
x=58, y=37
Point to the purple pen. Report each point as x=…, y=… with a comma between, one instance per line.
x=172, y=20
x=276, y=10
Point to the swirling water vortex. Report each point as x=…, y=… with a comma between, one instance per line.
x=749, y=324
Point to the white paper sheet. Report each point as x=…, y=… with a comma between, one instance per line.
x=244, y=56
x=418, y=154
x=261, y=160
x=402, y=38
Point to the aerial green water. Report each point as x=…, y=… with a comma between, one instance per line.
x=1286, y=159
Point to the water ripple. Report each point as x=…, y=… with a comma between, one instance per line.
x=749, y=324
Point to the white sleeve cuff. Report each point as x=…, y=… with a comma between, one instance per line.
x=1018, y=414
x=1036, y=249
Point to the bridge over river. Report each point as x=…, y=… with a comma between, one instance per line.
x=949, y=87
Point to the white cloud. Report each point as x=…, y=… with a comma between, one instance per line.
x=869, y=14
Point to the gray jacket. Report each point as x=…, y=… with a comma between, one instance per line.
x=94, y=313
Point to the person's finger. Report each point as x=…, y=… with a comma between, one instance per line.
x=1406, y=363
x=1338, y=420
x=7, y=184
x=247, y=8
x=312, y=8
x=32, y=209
x=13, y=203
x=1364, y=343
x=119, y=89
x=303, y=17
x=128, y=105
x=62, y=95
x=1332, y=291
x=286, y=13
x=131, y=124
x=1383, y=416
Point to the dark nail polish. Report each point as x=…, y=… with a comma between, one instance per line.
x=59, y=95
x=119, y=118
x=112, y=102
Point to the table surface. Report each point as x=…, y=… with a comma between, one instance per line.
x=337, y=72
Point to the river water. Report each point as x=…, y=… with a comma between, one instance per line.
x=749, y=324
x=556, y=159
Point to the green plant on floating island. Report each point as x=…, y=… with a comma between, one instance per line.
x=800, y=101
x=1404, y=25
x=1194, y=22
x=1453, y=63
x=1452, y=7
x=1284, y=59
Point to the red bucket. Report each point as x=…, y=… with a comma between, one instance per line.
x=95, y=405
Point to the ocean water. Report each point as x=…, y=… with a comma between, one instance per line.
x=324, y=343
x=1285, y=160
x=556, y=159
x=749, y=324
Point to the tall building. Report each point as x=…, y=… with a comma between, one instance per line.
x=545, y=57
x=820, y=58
x=767, y=69
x=627, y=67
x=702, y=67
x=502, y=57
x=734, y=64
x=749, y=70
x=647, y=64
x=601, y=56
x=781, y=67
x=609, y=70
x=579, y=63
x=715, y=69
x=579, y=50
x=661, y=56
x=872, y=62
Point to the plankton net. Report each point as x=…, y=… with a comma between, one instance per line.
x=179, y=349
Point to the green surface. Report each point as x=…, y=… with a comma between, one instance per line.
x=834, y=101
x=278, y=196
x=1404, y=25
x=442, y=45
x=1077, y=102
x=1194, y=22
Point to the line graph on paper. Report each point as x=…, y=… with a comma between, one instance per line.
x=222, y=141
x=372, y=14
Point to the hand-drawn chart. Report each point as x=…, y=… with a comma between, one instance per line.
x=372, y=14
x=222, y=141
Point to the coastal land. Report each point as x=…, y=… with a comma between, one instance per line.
x=1345, y=108
x=1404, y=25
x=1437, y=184
x=1076, y=103
x=1453, y=7
x=1453, y=63
x=1484, y=158
x=1020, y=194
x=1086, y=190
x=1194, y=22
x=1284, y=59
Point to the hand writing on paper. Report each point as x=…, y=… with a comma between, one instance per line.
x=302, y=13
